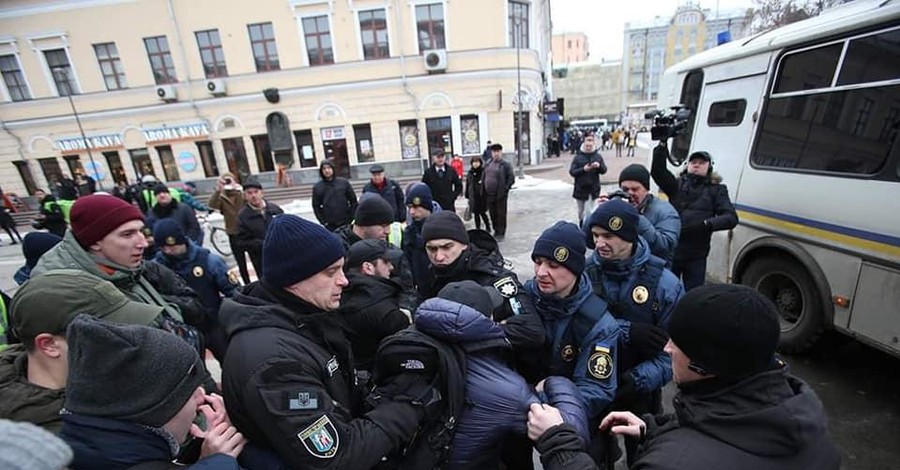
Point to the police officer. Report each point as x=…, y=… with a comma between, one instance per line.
x=206, y=273
x=641, y=294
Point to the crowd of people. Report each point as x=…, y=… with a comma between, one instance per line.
x=390, y=335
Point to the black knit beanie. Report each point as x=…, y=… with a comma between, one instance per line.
x=296, y=249
x=729, y=330
x=445, y=225
x=131, y=373
x=618, y=217
x=373, y=210
x=636, y=172
x=563, y=243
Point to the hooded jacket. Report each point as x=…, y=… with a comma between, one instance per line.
x=498, y=398
x=334, y=201
x=181, y=213
x=587, y=182
x=289, y=381
x=660, y=226
x=370, y=307
x=619, y=280
x=24, y=401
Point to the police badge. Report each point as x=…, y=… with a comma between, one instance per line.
x=198, y=271
x=615, y=223
x=600, y=365
x=640, y=294
x=568, y=353
x=561, y=254
x=506, y=287
x=320, y=438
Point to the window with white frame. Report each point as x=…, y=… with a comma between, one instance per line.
x=61, y=71
x=160, y=60
x=13, y=78
x=110, y=65
x=374, y=34
x=518, y=24
x=430, y=26
x=318, y=40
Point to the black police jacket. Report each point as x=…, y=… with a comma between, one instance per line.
x=289, y=382
x=370, y=307
x=252, y=226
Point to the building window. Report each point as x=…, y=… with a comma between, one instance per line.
x=262, y=41
x=167, y=159
x=208, y=158
x=52, y=172
x=61, y=70
x=365, y=151
x=264, y=160
x=13, y=78
x=570, y=44
x=160, y=60
x=116, y=170
x=518, y=24
x=430, y=26
x=306, y=148
x=26, y=175
x=438, y=133
x=140, y=159
x=211, y=53
x=110, y=65
x=374, y=33
x=318, y=40
x=468, y=126
x=409, y=139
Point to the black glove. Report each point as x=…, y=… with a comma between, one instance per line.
x=625, y=387
x=695, y=229
x=416, y=389
x=646, y=339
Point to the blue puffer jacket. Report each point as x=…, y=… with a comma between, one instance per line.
x=119, y=445
x=498, y=398
x=619, y=279
x=660, y=225
x=210, y=281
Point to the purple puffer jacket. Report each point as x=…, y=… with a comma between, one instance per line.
x=497, y=397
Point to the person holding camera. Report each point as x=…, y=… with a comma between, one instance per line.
x=704, y=206
x=587, y=166
x=228, y=198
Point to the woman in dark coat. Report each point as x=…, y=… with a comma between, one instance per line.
x=475, y=192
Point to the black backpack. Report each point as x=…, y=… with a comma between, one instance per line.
x=410, y=348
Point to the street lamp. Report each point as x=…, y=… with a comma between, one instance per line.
x=520, y=172
x=65, y=79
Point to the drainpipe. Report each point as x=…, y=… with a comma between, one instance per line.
x=412, y=97
x=184, y=64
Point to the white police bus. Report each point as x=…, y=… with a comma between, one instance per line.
x=802, y=123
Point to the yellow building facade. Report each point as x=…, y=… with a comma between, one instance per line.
x=189, y=89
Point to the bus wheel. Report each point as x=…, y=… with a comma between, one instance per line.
x=791, y=288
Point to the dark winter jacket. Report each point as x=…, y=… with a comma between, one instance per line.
x=475, y=190
x=413, y=247
x=229, y=202
x=54, y=220
x=402, y=273
x=769, y=421
x=252, y=224
x=497, y=397
x=205, y=273
x=587, y=182
x=393, y=194
x=288, y=378
x=617, y=281
x=506, y=175
x=660, y=226
x=24, y=401
x=181, y=213
x=444, y=190
x=370, y=307
x=702, y=202
x=334, y=201
x=119, y=445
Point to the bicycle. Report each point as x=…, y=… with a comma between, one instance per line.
x=218, y=237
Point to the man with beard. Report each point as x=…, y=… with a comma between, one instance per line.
x=333, y=200
x=167, y=207
x=587, y=166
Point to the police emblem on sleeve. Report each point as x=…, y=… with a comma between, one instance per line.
x=320, y=438
x=615, y=223
x=600, y=365
x=506, y=287
x=198, y=271
x=568, y=353
x=640, y=294
x=561, y=254
x=233, y=278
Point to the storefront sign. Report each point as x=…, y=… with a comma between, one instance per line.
x=332, y=133
x=188, y=131
x=93, y=142
x=187, y=161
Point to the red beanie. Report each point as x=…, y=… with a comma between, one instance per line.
x=93, y=217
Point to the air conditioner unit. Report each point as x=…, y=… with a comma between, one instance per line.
x=166, y=93
x=216, y=86
x=435, y=60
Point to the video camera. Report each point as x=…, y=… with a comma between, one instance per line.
x=618, y=193
x=668, y=124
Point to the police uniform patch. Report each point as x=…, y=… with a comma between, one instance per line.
x=302, y=400
x=197, y=271
x=600, y=365
x=233, y=278
x=568, y=353
x=170, y=241
x=332, y=366
x=640, y=294
x=507, y=287
x=417, y=201
x=561, y=254
x=320, y=438
x=615, y=223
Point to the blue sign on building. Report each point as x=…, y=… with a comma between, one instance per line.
x=187, y=161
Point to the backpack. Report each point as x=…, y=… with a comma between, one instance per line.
x=410, y=348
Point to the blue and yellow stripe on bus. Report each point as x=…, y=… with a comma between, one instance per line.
x=870, y=241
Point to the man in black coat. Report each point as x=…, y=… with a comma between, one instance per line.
x=289, y=377
x=168, y=208
x=370, y=305
x=498, y=180
x=444, y=182
x=333, y=200
x=388, y=189
x=737, y=406
x=704, y=206
x=253, y=220
x=51, y=215
x=587, y=166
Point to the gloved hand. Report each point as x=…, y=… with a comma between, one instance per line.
x=416, y=389
x=695, y=229
x=646, y=339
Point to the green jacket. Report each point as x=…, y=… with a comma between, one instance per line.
x=23, y=401
x=70, y=255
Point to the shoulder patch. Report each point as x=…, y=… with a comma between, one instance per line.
x=332, y=366
x=233, y=278
x=320, y=438
x=507, y=287
x=302, y=400
x=600, y=365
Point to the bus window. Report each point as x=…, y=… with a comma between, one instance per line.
x=807, y=70
x=865, y=61
x=690, y=98
x=726, y=113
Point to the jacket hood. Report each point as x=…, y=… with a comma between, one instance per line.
x=23, y=401
x=770, y=414
x=365, y=291
x=620, y=269
x=323, y=165
x=456, y=323
x=189, y=256
x=68, y=254
x=711, y=178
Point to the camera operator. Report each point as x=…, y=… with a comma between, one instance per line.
x=704, y=206
x=228, y=198
x=587, y=166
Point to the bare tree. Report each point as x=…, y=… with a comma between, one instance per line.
x=771, y=14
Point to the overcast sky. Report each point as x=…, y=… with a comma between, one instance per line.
x=604, y=20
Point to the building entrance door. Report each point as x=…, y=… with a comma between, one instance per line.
x=336, y=150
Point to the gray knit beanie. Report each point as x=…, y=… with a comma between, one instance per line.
x=29, y=447
x=131, y=373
